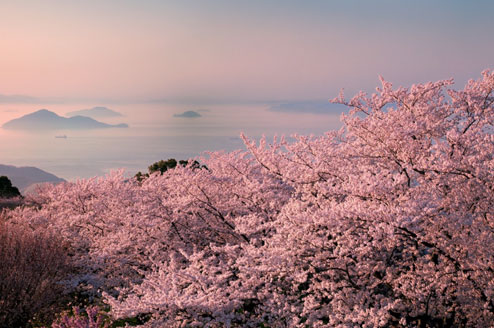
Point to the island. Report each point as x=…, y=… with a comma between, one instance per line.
x=188, y=114
x=95, y=112
x=44, y=119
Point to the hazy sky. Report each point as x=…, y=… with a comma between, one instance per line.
x=139, y=50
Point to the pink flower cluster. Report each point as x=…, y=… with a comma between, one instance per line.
x=90, y=318
x=387, y=222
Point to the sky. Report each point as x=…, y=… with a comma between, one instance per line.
x=125, y=51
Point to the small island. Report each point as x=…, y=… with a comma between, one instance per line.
x=188, y=114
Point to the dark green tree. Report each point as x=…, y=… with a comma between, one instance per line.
x=162, y=166
x=6, y=188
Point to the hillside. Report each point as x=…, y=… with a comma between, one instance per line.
x=26, y=176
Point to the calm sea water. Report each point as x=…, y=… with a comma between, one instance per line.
x=154, y=134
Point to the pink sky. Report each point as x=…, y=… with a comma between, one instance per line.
x=250, y=50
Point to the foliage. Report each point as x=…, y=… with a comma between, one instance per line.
x=387, y=222
x=92, y=317
x=162, y=166
x=32, y=267
x=6, y=188
x=10, y=202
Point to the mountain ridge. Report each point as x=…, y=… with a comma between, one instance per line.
x=95, y=112
x=23, y=177
x=44, y=119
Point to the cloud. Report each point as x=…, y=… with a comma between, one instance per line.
x=188, y=114
x=312, y=107
x=14, y=99
x=25, y=99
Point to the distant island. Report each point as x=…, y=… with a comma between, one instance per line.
x=44, y=119
x=188, y=114
x=95, y=112
x=26, y=177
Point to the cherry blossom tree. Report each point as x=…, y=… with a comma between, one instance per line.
x=386, y=222
x=92, y=318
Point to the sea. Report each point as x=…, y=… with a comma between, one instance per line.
x=154, y=133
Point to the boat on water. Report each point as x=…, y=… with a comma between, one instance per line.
x=61, y=137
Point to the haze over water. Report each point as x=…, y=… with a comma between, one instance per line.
x=152, y=59
x=153, y=134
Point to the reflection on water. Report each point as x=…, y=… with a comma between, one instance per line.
x=153, y=134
